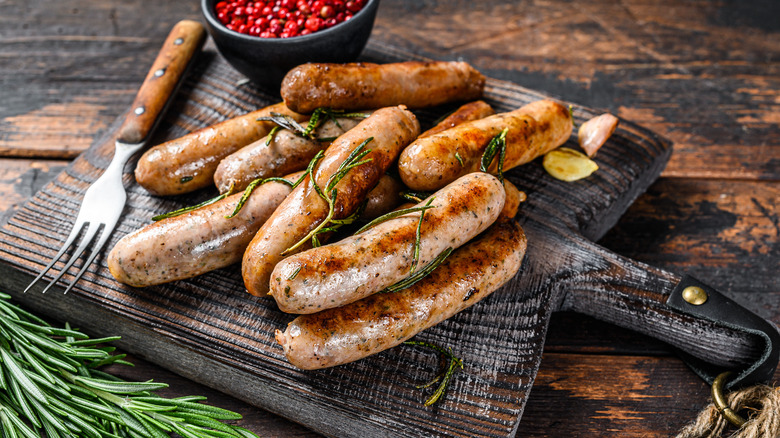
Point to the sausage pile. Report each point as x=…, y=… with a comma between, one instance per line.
x=313, y=169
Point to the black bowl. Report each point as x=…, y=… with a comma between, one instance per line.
x=265, y=61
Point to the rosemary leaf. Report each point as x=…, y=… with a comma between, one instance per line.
x=285, y=122
x=181, y=211
x=418, y=237
x=412, y=279
x=250, y=188
x=272, y=134
x=458, y=157
x=391, y=215
x=20, y=377
x=118, y=387
x=497, y=146
x=295, y=273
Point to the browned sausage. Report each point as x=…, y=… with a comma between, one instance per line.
x=391, y=129
x=337, y=336
x=188, y=163
x=286, y=152
x=514, y=197
x=433, y=162
x=360, y=265
x=363, y=85
x=195, y=242
x=471, y=111
x=383, y=198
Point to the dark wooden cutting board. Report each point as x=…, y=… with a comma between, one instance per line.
x=210, y=330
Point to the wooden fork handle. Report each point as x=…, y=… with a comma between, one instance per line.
x=184, y=41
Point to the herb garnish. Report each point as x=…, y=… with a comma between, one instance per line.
x=422, y=273
x=50, y=386
x=272, y=134
x=391, y=215
x=418, y=236
x=413, y=196
x=181, y=211
x=250, y=188
x=497, y=145
x=319, y=116
x=445, y=376
x=571, y=115
x=457, y=157
x=330, y=192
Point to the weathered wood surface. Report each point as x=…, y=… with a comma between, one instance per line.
x=74, y=66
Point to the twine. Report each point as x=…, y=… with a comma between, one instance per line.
x=761, y=401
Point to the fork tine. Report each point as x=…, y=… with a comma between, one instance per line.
x=69, y=241
x=88, y=236
x=105, y=234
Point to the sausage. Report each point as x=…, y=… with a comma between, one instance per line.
x=195, y=242
x=383, y=198
x=595, y=132
x=364, y=85
x=433, y=162
x=338, y=336
x=287, y=152
x=391, y=129
x=188, y=163
x=514, y=197
x=471, y=111
x=360, y=265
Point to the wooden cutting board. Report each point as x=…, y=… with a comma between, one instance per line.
x=210, y=330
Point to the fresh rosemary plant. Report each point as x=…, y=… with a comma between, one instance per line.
x=443, y=377
x=49, y=386
x=497, y=146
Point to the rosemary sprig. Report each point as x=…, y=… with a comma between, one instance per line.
x=445, y=376
x=330, y=193
x=497, y=145
x=272, y=134
x=393, y=214
x=422, y=273
x=418, y=236
x=571, y=116
x=181, y=211
x=250, y=188
x=413, y=196
x=319, y=116
x=283, y=121
x=49, y=387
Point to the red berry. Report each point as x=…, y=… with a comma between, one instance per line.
x=327, y=12
x=313, y=24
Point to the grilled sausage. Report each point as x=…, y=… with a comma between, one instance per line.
x=514, y=197
x=188, y=163
x=195, y=242
x=433, y=162
x=363, y=85
x=471, y=111
x=357, y=266
x=286, y=152
x=383, y=198
x=376, y=323
x=391, y=129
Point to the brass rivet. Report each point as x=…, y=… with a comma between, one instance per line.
x=694, y=295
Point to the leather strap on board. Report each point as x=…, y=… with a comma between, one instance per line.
x=724, y=311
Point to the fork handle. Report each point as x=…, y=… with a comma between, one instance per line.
x=184, y=41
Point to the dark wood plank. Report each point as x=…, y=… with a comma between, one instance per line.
x=680, y=74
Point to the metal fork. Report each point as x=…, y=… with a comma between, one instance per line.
x=105, y=199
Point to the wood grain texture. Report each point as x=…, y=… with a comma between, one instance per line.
x=210, y=320
x=74, y=65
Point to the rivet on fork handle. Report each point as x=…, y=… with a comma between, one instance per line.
x=105, y=199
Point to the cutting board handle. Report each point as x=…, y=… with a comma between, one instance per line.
x=712, y=332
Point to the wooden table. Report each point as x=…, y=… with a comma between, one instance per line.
x=706, y=75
